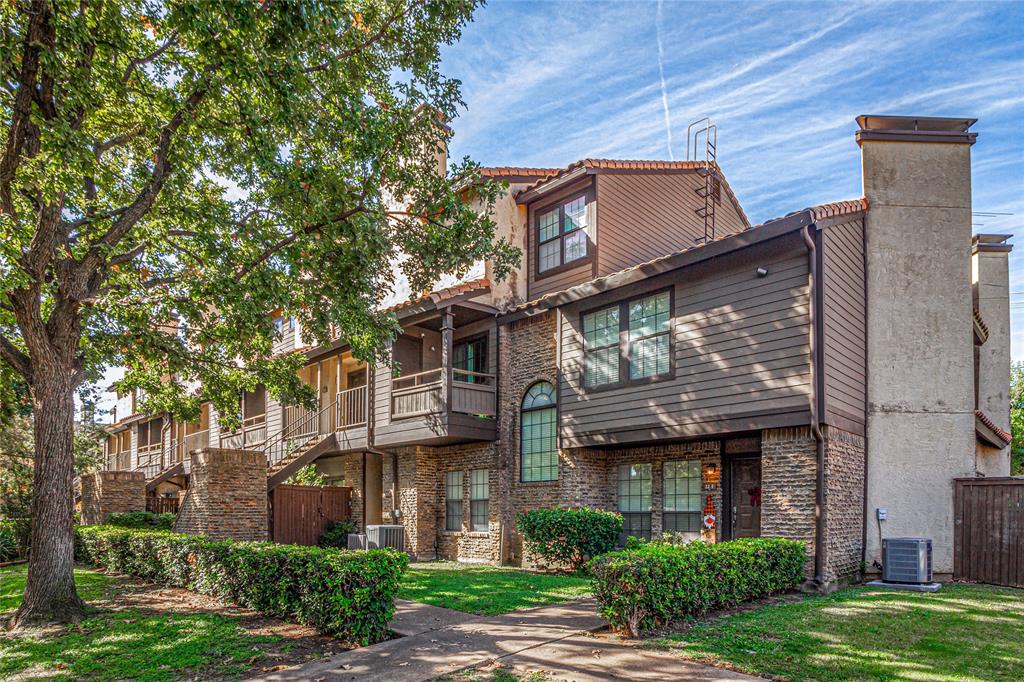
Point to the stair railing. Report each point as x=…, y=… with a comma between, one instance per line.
x=294, y=434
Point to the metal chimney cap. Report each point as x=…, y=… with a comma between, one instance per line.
x=915, y=129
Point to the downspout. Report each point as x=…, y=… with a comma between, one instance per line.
x=867, y=377
x=819, y=500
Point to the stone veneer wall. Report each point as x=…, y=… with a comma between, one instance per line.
x=227, y=495
x=788, y=485
x=417, y=498
x=844, y=505
x=467, y=544
x=352, y=477
x=111, y=491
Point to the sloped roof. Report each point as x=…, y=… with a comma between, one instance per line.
x=987, y=430
x=766, y=230
x=515, y=172
x=647, y=165
x=439, y=296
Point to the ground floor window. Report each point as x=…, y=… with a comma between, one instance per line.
x=453, y=493
x=682, y=507
x=635, y=500
x=479, y=499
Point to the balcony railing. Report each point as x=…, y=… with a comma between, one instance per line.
x=252, y=433
x=193, y=441
x=421, y=394
x=351, y=409
x=150, y=459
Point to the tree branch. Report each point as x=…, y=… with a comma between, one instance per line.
x=15, y=358
x=142, y=61
x=369, y=41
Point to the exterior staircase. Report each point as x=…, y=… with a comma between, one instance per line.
x=169, y=471
x=297, y=445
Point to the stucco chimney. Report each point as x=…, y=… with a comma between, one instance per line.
x=920, y=411
x=991, y=279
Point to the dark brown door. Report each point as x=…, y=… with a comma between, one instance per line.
x=746, y=498
x=408, y=354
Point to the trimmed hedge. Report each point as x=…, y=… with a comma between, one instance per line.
x=657, y=583
x=346, y=594
x=143, y=519
x=569, y=536
x=15, y=538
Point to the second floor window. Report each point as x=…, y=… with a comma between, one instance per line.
x=470, y=357
x=562, y=234
x=628, y=341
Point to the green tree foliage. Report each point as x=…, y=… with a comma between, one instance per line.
x=1017, y=418
x=122, y=123
x=307, y=475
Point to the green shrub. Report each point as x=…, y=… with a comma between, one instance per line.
x=15, y=538
x=346, y=594
x=657, y=583
x=569, y=536
x=336, y=534
x=143, y=519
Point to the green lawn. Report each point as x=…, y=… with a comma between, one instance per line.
x=128, y=644
x=962, y=632
x=487, y=590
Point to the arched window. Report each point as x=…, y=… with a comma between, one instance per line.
x=537, y=435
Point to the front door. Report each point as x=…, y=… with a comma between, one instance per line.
x=746, y=497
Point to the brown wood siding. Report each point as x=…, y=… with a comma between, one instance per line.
x=844, y=325
x=562, y=279
x=988, y=544
x=647, y=215
x=740, y=350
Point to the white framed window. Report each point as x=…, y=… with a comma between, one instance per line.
x=479, y=499
x=453, y=494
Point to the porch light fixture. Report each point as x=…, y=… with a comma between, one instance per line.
x=762, y=272
x=712, y=476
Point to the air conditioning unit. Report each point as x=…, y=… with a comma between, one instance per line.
x=378, y=537
x=907, y=560
x=357, y=540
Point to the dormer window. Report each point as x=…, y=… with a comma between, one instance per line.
x=562, y=234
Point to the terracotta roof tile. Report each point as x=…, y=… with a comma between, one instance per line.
x=1005, y=436
x=980, y=327
x=480, y=285
x=515, y=171
x=638, y=164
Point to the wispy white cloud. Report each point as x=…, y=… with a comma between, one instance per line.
x=661, y=77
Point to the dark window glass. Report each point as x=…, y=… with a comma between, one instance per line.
x=470, y=356
x=538, y=443
x=453, y=493
x=557, y=246
x=479, y=499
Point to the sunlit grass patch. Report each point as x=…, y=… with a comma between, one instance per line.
x=487, y=590
x=963, y=632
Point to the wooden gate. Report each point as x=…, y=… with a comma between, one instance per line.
x=300, y=513
x=989, y=527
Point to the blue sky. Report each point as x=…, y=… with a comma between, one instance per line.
x=547, y=83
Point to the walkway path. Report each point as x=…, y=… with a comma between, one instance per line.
x=549, y=638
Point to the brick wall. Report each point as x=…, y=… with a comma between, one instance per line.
x=227, y=496
x=844, y=505
x=466, y=544
x=111, y=491
x=417, y=498
x=788, y=485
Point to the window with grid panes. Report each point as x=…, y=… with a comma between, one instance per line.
x=453, y=493
x=562, y=234
x=635, y=500
x=682, y=498
x=637, y=332
x=479, y=499
x=538, y=447
x=601, y=346
x=649, y=336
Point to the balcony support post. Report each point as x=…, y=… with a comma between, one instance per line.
x=447, y=334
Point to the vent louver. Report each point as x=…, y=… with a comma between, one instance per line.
x=907, y=560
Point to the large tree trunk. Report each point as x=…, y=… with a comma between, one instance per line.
x=50, y=595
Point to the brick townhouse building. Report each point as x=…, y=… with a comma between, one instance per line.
x=658, y=355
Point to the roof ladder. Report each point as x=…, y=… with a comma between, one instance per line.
x=701, y=146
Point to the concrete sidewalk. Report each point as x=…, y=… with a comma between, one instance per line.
x=549, y=638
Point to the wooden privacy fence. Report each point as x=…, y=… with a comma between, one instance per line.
x=989, y=527
x=300, y=513
x=162, y=505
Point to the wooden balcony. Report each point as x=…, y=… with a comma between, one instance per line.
x=438, y=407
x=251, y=435
x=150, y=459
